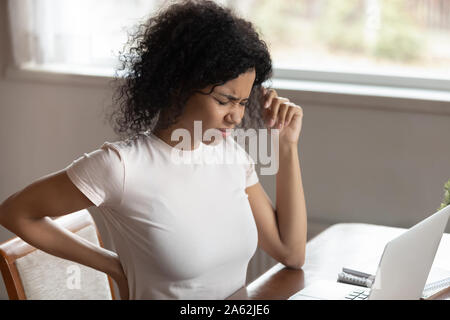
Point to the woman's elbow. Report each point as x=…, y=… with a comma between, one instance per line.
x=295, y=261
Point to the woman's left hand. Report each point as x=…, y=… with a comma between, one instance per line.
x=280, y=113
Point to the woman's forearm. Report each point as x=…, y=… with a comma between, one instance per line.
x=290, y=204
x=46, y=235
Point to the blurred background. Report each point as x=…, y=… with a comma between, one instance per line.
x=399, y=37
x=372, y=76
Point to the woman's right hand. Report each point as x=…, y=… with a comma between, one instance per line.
x=121, y=280
x=123, y=288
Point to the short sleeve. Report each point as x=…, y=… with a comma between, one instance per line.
x=100, y=175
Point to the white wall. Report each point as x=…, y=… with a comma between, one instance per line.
x=362, y=162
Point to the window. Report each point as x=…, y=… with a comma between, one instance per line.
x=81, y=36
x=403, y=37
x=359, y=41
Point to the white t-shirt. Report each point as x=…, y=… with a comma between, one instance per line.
x=181, y=230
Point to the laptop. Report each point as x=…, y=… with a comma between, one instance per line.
x=402, y=271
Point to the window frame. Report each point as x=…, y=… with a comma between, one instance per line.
x=362, y=78
x=301, y=74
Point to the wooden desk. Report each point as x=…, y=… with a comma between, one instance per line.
x=352, y=245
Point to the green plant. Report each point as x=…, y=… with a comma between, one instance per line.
x=279, y=21
x=399, y=39
x=446, y=195
x=341, y=26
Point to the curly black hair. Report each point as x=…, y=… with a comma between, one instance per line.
x=183, y=48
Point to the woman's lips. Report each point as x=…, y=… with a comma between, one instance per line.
x=225, y=132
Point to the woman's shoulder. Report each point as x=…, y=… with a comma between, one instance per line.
x=127, y=144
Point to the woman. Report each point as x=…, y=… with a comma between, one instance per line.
x=181, y=231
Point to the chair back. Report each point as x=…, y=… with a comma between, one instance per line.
x=32, y=274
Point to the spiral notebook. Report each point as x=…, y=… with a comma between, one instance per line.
x=431, y=290
x=358, y=280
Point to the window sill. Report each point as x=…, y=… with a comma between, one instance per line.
x=85, y=78
x=366, y=96
x=304, y=92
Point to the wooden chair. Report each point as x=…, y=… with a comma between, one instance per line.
x=32, y=274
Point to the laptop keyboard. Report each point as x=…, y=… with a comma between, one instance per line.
x=362, y=294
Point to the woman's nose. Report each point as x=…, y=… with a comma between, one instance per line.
x=234, y=117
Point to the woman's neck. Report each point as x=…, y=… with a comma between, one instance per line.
x=165, y=135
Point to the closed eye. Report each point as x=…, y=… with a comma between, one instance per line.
x=244, y=104
x=221, y=103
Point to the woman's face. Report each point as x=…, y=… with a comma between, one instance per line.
x=223, y=108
